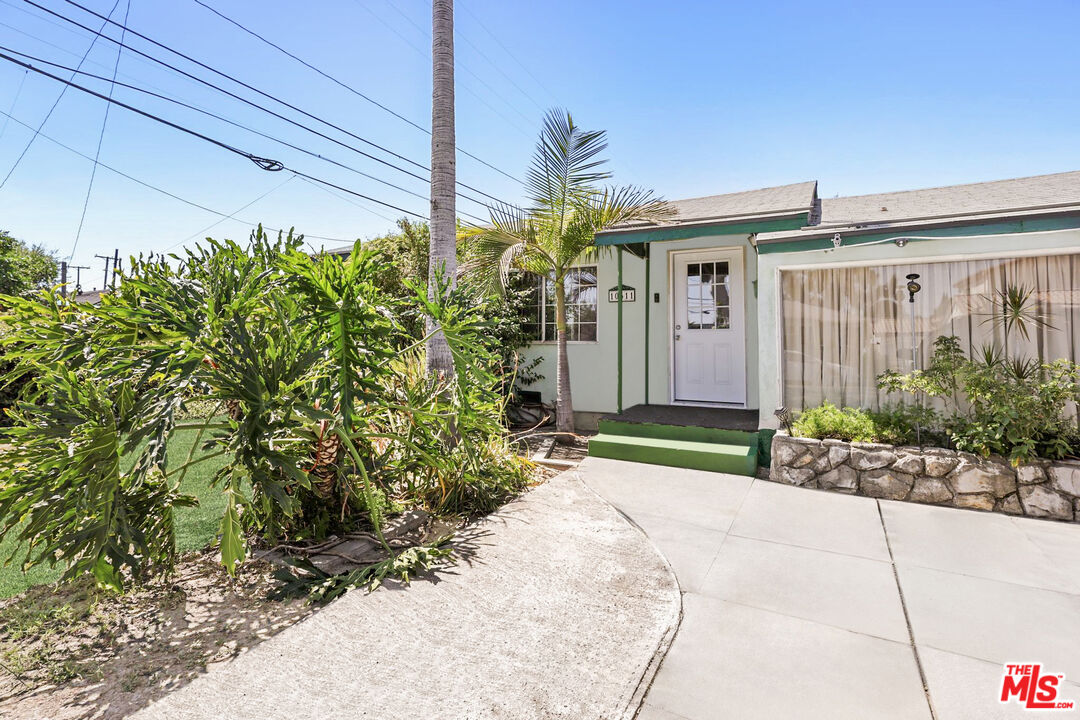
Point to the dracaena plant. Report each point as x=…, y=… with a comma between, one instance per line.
x=319, y=415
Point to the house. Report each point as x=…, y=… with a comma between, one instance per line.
x=752, y=302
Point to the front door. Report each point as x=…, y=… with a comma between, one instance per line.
x=708, y=327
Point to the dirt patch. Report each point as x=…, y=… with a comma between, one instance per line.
x=71, y=651
x=574, y=450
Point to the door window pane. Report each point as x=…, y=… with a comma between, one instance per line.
x=708, y=301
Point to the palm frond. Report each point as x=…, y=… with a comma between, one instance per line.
x=565, y=167
x=510, y=242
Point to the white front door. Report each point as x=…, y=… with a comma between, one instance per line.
x=708, y=327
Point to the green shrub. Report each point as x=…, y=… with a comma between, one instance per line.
x=897, y=425
x=827, y=421
x=1016, y=407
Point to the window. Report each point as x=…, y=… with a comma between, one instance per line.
x=581, y=295
x=708, y=301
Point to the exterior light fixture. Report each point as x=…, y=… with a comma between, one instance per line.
x=784, y=416
x=901, y=242
x=836, y=240
x=912, y=286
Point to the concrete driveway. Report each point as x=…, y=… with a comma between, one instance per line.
x=807, y=604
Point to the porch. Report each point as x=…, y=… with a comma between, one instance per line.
x=700, y=438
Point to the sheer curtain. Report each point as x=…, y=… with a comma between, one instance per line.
x=842, y=327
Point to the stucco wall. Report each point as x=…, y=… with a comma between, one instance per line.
x=770, y=265
x=593, y=366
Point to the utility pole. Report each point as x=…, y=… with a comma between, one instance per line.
x=443, y=214
x=78, y=276
x=115, y=266
x=107, y=259
x=63, y=278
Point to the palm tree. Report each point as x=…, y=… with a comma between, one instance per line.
x=442, y=263
x=568, y=206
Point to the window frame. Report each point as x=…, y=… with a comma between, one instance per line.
x=541, y=306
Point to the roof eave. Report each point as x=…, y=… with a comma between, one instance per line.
x=733, y=225
x=772, y=242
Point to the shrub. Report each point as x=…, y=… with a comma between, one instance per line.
x=895, y=425
x=317, y=408
x=1016, y=407
x=827, y=421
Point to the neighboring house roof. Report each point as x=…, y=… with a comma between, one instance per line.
x=1028, y=197
x=738, y=207
x=92, y=297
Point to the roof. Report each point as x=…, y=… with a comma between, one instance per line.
x=781, y=200
x=1029, y=197
x=92, y=297
x=1028, y=193
x=737, y=207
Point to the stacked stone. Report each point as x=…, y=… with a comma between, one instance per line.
x=936, y=476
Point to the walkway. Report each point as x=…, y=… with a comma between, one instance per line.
x=559, y=609
x=807, y=604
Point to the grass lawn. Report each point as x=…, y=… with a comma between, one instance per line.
x=195, y=527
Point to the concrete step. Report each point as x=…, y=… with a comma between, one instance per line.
x=691, y=433
x=712, y=456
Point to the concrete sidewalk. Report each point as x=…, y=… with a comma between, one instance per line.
x=562, y=609
x=808, y=604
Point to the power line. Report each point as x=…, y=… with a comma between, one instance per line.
x=253, y=89
x=463, y=66
x=427, y=55
x=507, y=50
x=349, y=200
x=66, y=51
x=499, y=70
x=14, y=100
x=263, y=163
x=345, y=85
x=146, y=184
x=232, y=215
x=57, y=102
x=101, y=137
x=260, y=107
x=208, y=113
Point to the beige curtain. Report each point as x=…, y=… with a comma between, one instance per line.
x=842, y=327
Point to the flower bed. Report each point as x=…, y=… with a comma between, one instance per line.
x=1041, y=489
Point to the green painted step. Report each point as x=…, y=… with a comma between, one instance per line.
x=678, y=432
x=712, y=456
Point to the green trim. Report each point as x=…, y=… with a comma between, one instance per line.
x=872, y=235
x=648, y=311
x=689, y=433
x=764, y=454
x=677, y=232
x=734, y=459
x=619, y=403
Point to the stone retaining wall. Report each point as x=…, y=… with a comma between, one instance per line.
x=1042, y=489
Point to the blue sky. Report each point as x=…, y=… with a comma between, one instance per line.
x=697, y=99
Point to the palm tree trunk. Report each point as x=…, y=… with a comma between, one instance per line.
x=443, y=260
x=564, y=403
